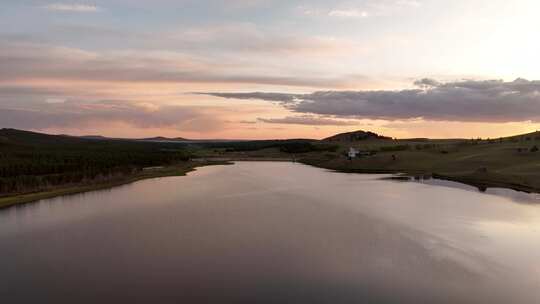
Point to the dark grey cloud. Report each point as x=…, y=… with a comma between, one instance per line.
x=467, y=100
x=80, y=114
x=309, y=120
x=427, y=83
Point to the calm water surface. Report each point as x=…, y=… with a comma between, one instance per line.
x=273, y=233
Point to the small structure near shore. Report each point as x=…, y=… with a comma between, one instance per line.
x=352, y=153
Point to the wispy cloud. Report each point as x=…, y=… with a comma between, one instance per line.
x=280, y=97
x=371, y=8
x=79, y=114
x=350, y=13
x=412, y=3
x=309, y=120
x=28, y=60
x=72, y=7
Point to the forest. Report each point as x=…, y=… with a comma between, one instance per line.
x=33, y=161
x=285, y=145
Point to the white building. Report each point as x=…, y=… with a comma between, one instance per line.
x=353, y=152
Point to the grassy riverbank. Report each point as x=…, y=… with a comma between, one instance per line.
x=481, y=180
x=505, y=163
x=511, y=162
x=175, y=170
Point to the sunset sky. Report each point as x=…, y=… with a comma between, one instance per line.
x=254, y=69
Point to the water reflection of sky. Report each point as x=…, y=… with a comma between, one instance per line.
x=284, y=232
x=516, y=196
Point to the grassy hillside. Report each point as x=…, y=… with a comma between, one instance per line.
x=512, y=162
x=509, y=162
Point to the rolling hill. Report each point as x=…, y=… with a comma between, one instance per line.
x=355, y=136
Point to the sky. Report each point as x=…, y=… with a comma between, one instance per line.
x=254, y=69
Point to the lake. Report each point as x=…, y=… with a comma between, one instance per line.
x=274, y=232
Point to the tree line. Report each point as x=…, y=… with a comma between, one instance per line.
x=32, y=161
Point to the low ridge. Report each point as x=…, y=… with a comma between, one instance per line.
x=355, y=136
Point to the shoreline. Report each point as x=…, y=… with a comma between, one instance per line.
x=181, y=170
x=480, y=182
x=485, y=184
x=178, y=170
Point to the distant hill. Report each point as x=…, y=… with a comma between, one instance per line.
x=151, y=139
x=527, y=136
x=163, y=139
x=16, y=137
x=96, y=137
x=355, y=136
